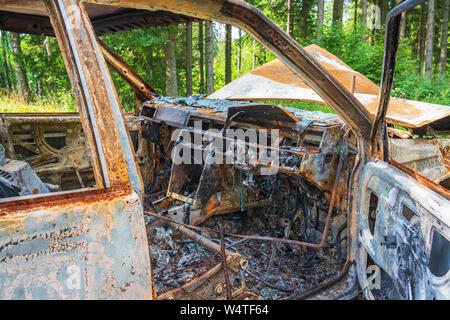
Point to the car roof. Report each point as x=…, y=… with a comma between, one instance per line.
x=31, y=17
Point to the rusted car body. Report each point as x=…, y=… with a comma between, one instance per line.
x=427, y=156
x=355, y=194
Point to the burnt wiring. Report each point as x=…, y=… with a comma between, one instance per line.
x=268, y=284
x=338, y=241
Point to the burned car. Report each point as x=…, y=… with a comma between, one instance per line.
x=220, y=197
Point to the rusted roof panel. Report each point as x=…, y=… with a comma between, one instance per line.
x=275, y=81
x=31, y=18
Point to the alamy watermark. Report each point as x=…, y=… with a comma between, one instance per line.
x=374, y=277
x=227, y=146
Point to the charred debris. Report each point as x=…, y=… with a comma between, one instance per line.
x=221, y=231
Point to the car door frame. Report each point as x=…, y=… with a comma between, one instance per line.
x=89, y=243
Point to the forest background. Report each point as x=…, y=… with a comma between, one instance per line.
x=202, y=57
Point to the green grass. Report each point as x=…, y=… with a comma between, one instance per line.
x=13, y=103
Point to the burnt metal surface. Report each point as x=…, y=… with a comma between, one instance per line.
x=424, y=156
x=174, y=117
x=94, y=90
x=250, y=20
x=279, y=270
x=105, y=19
x=20, y=177
x=275, y=81
x=88, y=248
x=55, y=147
x=300, y=229
x=87, y=244
x=253, y=22
x=263, y=115
x=398, y=220
x=140, y=86
x=2, y=155
x=216, y=192
x=202, y=276
x=207, y=193
x=379, y=134
x=316, y=156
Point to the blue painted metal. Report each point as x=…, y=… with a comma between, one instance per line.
x=82, y=251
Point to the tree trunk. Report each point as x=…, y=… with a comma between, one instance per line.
x=338, y=7
x=209, y=34
x=444, y=39
x=254, y=54
x=239, y=55
x=304, y=23
x=384, y=10
x=355, y=15
x=3, y=81
x=363, y=18
x=47, y=46
x=320, y=5
x=171, y=65
x=189, y=59
x=403, y=26
x=289, y=17
x=201, y=57
x=374, y=15
x=149, y=63
x=430, y=34
x=12, y=75
x=228, y=56
x=39, y=87
x=421, y=38
x=5, y=60
x=19, y=66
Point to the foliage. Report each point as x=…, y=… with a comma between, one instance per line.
x=47, y=69
x=144, y=51
x=12, y=102
x=436, y=91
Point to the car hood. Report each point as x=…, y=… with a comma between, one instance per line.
x=275, y=81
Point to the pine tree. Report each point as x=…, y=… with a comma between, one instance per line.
x=189, y=59
x=320, y=10
x=19, y=66
x=403, y=26
x=171, y=65
x=338, y=7
x=429, y=42
x=444, y=39
x=364, y=18
x=289, y=16
x=5, y=60
x=228, y=54
x=209, y=42
x=201, y=55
